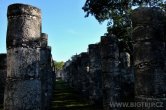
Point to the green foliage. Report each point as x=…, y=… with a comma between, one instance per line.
x=59, y=65
x=163, y=6
x=117, y=13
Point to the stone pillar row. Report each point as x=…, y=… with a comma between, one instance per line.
x=29, y=81
x=104, y=75
x=111, y=76
x=77, y=72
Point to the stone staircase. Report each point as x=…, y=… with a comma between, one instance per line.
x=65, y=98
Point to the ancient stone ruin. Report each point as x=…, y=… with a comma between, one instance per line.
x=117, y=76
x=30, y=69
x=106, y=74
x=95, y=93
x=149, y=62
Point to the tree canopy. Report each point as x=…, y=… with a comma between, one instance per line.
x=59, y=65
x=116, y=11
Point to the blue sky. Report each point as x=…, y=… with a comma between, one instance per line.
x=69, y=32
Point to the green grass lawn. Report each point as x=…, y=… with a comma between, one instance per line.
x=67, y=99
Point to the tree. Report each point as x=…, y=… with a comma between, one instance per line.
x=59, y=65
x=117, y=13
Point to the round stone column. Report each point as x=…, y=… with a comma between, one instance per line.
x=24, y=25
x=23, y=84
x=149, y=57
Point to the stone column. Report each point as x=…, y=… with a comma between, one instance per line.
x=44, y=40
x=110, y=71
x=53, y=74
x=23, y=85
x=44, y=70
x=84, y=74
x=66, y=74
x=74, y=72
x=149, y=57
x=127, y=79
x=3, y=74
x=50, y=77
x=95, y=73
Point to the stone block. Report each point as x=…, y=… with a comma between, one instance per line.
x=22, y=94
x=24, y=26
x=23, y=63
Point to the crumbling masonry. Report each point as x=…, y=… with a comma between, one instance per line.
x=149, y=55
x=30, y=70
x=95, y=92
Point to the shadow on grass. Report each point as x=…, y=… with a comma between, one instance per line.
x=67, y=99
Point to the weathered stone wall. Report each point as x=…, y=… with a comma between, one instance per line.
x=23, y=77
x=83, y=73
x=73, y=79
x=149, y=56
x=3, y=73
x=95, y=89
x=109, y=77
x=110, y=71
x=51, y=78
x=65, y=71
x=76, y=73
x=30, y=69
x=47, y=72
x=24, y=26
